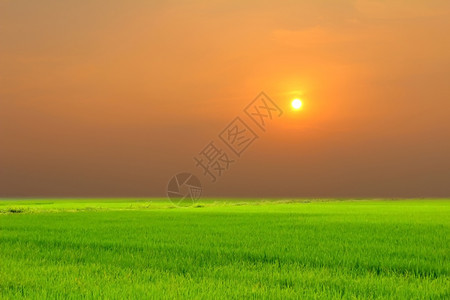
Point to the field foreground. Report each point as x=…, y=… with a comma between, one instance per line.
x=147, y=248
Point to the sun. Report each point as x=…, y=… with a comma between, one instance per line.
x=296, y=104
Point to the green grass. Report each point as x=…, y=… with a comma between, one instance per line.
x=130, y=248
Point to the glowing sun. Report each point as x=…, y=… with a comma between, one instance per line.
x=296, y=104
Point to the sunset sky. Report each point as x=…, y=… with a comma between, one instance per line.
x=113, y=98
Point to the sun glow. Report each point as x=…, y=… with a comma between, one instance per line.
x=296, y=104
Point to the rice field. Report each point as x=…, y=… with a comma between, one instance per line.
x=225, y=248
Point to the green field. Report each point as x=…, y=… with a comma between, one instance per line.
x=131, y=248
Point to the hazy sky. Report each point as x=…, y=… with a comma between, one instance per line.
x=113, y=98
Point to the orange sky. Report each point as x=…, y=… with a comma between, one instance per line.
x=112, y=98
